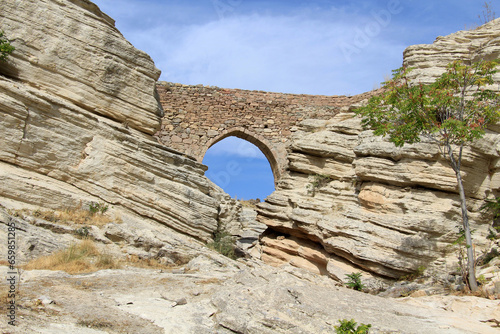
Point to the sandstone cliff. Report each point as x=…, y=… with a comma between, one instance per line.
x=353, y=201
x=77, y=110
x=429, y=60
x=75, y=130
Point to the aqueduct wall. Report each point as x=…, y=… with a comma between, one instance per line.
x=197, y=117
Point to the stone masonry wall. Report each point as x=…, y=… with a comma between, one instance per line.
x=197, y=117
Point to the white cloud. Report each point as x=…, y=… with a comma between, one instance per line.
x=287, y=54
x=316, y=47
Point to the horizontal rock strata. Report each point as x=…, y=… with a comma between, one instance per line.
x=73, y=50
x=429, y=60
x=77, y=108
x=386, y=210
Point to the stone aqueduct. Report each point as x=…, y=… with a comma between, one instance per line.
x=197, y=117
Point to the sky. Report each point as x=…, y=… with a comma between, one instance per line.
x=319, y=47
x=239, y=168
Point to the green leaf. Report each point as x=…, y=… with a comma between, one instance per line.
x=5, y=48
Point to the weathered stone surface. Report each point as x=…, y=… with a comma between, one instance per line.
x=31, y=240
x=430, y=60
x=64, y=140
x=73, y=50
x=213, y=294
x=126, y=235
x=384, y=209
x=210, y=293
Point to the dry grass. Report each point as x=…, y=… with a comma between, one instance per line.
x=212, y=280
x=98, y=323
x=76, y=216
x=252, y=203
x=71, y=216
x=146, y=263
x=4, y=297
x=83, y=257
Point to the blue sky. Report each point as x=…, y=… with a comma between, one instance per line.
x=315, y=47
x=239, y=168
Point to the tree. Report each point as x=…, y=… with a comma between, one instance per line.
x=5, y=48
x=452, y=111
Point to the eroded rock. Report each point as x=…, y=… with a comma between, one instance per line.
x=77, y=108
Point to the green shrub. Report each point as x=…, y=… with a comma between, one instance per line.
x=223, y=243
x=82, y=231
x=354, y=281
x=349, y=326
x=95, y=207
x=5, y=48
x=482, y=280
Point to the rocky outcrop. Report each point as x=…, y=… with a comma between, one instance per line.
x=77, y=108
x=160, y=283
x=216, y=295
x=430, y=60
x=72, y=50
x=386, y=210
x=354, y=201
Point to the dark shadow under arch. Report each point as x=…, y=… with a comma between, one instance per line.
x=261, y=143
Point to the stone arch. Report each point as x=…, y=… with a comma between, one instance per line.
x=261, y=143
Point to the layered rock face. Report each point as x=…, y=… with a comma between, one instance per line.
x=73, y=50
x=77, y=110
x=354, y=201
x=430, y=60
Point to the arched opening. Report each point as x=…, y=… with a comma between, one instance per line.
x=256, y=140
x=239, y=167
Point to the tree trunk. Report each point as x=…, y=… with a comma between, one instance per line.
x=468, y=238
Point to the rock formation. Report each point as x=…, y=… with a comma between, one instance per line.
x=354, y=201
x=204, y=292
x=429, y=60
x=77, y=110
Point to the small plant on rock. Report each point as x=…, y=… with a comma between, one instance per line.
x=488, y=13
x=354, y=281
x=5, y=48
x=223, y=243
x=482, y=280
x=82, y=232
x=95, y=207
x=317, y=182
x=350, y=326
